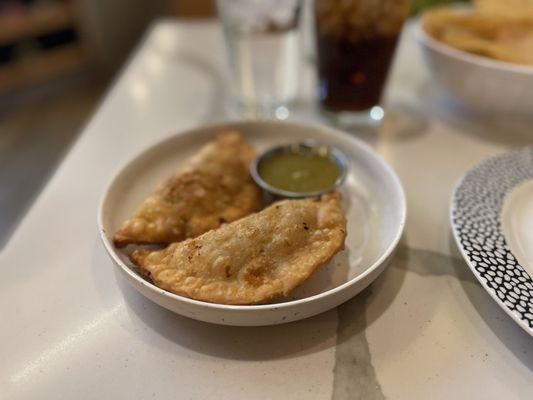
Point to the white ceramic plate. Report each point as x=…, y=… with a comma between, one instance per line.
x=492, y=221
x=373, y=201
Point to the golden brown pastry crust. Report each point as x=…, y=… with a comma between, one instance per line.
x=214, y=187
x=255, y=259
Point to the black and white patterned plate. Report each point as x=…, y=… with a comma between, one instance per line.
x=476, y=222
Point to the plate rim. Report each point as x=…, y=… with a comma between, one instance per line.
x=453, y=207
x=260, y=307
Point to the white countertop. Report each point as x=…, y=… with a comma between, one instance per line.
x=424, y=329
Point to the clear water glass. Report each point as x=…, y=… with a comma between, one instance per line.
x=263, y=51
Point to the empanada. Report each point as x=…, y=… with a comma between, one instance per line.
x=253, y=260
x=214, y=187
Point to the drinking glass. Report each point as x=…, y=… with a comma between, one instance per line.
x=356, y=41
x=262, y=42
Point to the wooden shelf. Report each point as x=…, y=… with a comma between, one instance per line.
x=34, y=69
x=35, y=20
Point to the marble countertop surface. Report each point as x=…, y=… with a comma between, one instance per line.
x=424, y=329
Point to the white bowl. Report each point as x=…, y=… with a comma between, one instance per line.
x=481, y=84
x=373, y=202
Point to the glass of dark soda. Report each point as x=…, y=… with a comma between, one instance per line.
x=356, y=41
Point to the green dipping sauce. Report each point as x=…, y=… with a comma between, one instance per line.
x=299, y=173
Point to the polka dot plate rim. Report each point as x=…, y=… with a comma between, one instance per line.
x=475, y=214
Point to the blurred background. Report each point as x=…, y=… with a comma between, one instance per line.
x=56, y=59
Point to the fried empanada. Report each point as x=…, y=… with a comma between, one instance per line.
x=214, y=187
x=253, y=260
